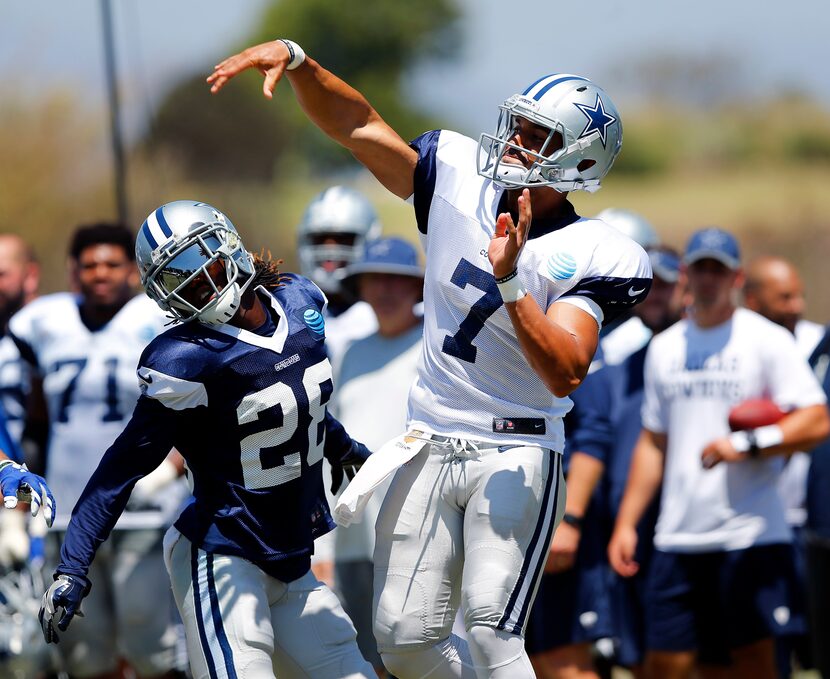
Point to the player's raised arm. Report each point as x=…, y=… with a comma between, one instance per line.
x=333, y=105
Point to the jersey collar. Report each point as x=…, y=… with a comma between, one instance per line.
x=276, y=342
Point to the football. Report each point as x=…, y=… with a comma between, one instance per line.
x=753, y=413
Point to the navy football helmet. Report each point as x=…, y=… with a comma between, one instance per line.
x=584, y=139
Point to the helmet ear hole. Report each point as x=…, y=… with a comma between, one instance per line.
x=586, y=164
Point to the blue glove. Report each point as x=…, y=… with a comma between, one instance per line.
x=18, y=483
x=64, y=597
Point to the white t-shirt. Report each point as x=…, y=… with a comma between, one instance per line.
x=693, y=377
x=354, y=323
x=631, y=336
x=792, y=485
x=91, y=389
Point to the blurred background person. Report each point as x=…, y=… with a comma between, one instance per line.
x=84, y=347
x=335, y=227
x=775, y=290
x=576, y=603
x=626, y=333
x=19, y=282
x=817, y=527
x=372, y=386
x=722, y=578
x=334, y=230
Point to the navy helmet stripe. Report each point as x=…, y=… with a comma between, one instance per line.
x=537, y=82
x=531, y=548
x=520, y=622
x=165, y=227
x=197, y=602
x=217, y=620
x=554, y=83
x=145, y=229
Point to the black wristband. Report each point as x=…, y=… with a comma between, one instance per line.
x=508, y=277
x=754, y=450
x=573, y=520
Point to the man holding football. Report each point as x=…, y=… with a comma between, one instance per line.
x=721, y=579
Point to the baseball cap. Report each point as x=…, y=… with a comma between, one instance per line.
x=713, y=243
x=665, y=265
x=387, y=255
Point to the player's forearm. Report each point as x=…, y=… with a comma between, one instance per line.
x=345, y=115
x=802, y=430
x=555, y=354
x=584, y=472
x=644, y=479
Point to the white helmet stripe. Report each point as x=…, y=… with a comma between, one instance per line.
x=156, y=232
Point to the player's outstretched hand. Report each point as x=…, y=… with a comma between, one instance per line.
x=509, y=239
x=269, y=58
x=19, y=484
x=62, y=601
x=621, y=549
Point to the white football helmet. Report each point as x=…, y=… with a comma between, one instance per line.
x=348, y=217
x=575, y=108
x=635, y=226
x=192, y=262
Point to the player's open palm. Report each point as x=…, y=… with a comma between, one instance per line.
x=621, y=549
x=269, y=58
x=509, y=239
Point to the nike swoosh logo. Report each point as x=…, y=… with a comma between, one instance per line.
x=148, y=378
x=633, y=293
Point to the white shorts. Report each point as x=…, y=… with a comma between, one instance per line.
x=241, y=622
x=464, y=525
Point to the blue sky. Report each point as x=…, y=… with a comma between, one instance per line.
x=53, y=44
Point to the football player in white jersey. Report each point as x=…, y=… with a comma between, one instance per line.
x=721, y=580
x=510, y=327
x=84, y=347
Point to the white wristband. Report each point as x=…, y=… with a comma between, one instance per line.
x=297, y=55
x=753, y=441
x=511, y=288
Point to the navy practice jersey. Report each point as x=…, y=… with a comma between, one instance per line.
x=248, y=413
x=818, y=478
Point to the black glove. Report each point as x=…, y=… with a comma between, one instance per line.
x=63, y=596
x=348, y=466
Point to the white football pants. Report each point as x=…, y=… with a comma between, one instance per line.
x=241, y=622
x=463, y=523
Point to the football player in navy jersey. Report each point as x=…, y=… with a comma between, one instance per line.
x=239, y=386
x=512, y=314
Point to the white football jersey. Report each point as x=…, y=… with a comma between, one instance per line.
x=474, y=382
x=15, y=384
x=693, y=377
x=90, y=386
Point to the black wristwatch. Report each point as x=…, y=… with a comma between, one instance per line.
x=573, y=520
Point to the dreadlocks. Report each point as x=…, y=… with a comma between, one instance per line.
x=266, y=271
